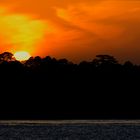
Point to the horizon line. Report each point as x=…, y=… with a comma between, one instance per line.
x=45, y=122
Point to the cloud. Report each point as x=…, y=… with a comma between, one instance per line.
x=79, y=29
x=19, y=31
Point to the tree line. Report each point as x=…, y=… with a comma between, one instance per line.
x=101, y=86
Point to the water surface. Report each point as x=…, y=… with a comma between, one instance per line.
x=70, y=130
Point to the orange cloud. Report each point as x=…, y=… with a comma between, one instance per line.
x=20, y=32
x=75, y=29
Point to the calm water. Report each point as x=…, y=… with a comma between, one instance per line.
x=70, y=130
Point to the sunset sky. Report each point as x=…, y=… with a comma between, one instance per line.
x=75, y=29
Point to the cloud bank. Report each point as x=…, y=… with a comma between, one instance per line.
x=75, y=29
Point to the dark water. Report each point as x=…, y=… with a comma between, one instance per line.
x=70, y=131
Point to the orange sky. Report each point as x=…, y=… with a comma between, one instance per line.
x=75, y=29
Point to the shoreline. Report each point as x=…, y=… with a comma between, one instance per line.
x=69, y=122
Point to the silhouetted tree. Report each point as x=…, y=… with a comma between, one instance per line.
x=29, y=62
x=104, y=60
x=128, y=64
x=6, y=56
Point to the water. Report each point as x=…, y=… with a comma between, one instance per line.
x=70, y=130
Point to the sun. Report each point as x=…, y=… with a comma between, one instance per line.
x=22, y=55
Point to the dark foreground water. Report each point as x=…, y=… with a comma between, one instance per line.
x=104, y=130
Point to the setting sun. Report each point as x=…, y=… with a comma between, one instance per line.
x=22, y=56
